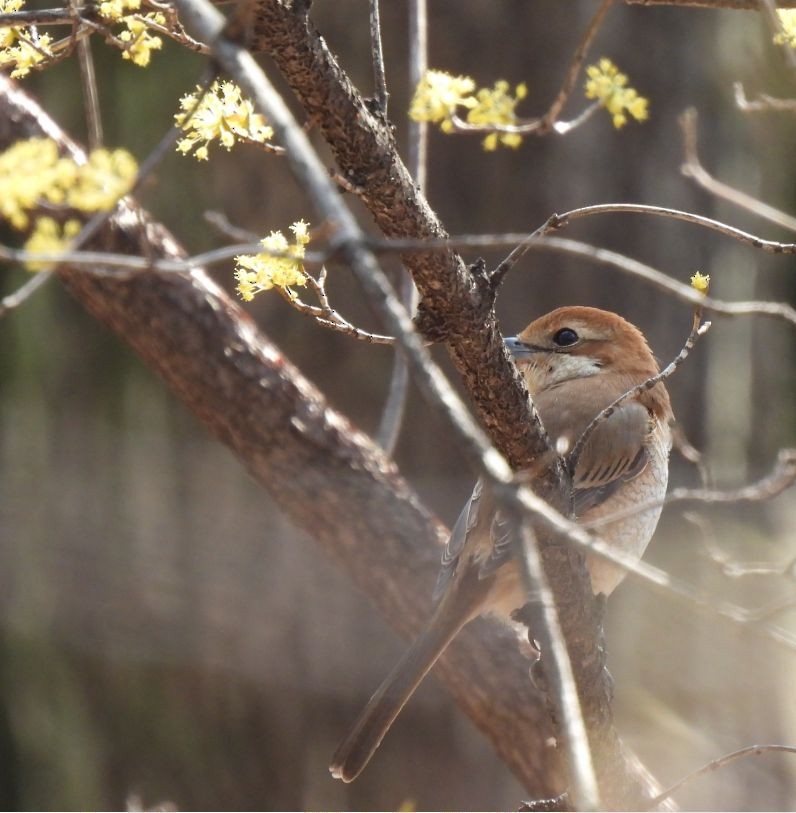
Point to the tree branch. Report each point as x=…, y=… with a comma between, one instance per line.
x=309, y=458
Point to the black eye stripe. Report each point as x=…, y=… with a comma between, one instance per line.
x=565, y=337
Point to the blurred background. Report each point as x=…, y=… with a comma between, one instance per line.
x=167, y=637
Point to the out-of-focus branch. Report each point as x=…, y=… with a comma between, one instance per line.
x=735, y=5
x=377, y=57
x=713, y=765
x=692, y=168
x=763, y=103
x=782, y=477
x=395, y=405
x=252, y=399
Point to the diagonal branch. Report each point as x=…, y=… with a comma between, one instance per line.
x=456, y=305
x=310, y=459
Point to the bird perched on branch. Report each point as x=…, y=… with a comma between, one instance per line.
x=576, y=361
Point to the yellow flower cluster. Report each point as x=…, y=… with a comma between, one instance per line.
x=787, y=19
x=136, y=39
x=19, y=49
x=700, y=282
x=116, y=9
x=496, y=107
x=261, y=272
x=48, y=237
x=106, y=177
x=32, y=172
x=609, y=87
x=222, y=113
x=138, y=42
x=439, y=95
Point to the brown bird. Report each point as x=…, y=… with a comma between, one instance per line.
x=575, y=361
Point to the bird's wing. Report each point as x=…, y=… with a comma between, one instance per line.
x=468, y=519
x=615, y=452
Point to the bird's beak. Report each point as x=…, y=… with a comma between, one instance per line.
x=518, y=349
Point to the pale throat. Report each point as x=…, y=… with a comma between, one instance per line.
x=552, y=368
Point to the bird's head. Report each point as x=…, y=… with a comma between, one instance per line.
x=578, y=342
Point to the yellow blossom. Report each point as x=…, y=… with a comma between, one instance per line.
x=787, y=19
x=116, y=9
x=224, y=114
x=48, y=237
x=32, y=172
x=495, y=108
x=28, y=52
x=261, y=272
x=98, y=185
x=701, y=282
x=139, y=43
x=8, y=33
x=437, y=96
x=609, y=87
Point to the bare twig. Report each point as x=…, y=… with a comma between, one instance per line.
x=780, y=478
x=770, y=246
x=377, y=56
x=664, y=282
x=558, y=671
x=549, y=121
x=735, y=5
x=732, y=568
x=395, y=405
x=693, y=169
x=697, y=330
x=90, y=92
x=23, y=293
x=578, y=58
x=750, y=750
x=763, y=103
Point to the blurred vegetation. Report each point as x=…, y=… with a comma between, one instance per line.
x=164, y=633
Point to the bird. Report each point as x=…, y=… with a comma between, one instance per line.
x=575, y=361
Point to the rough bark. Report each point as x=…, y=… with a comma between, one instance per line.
x=456, y=304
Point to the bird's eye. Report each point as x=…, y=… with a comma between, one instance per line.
x=565, y=337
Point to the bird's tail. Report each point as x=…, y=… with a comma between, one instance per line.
x=354, y=753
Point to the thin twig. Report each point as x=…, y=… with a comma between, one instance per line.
x=24, y=292
x=578, y=58
x=88, y=80
x=750, y=750
x=395, y=405
x=697, y=330
x=628, y=265
x=549, y=121
x=763, y=103
x=104, y=261
x=558, y=671
x=782, y=477
x=692, y=168
x=733, y=568
x=377, y=56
